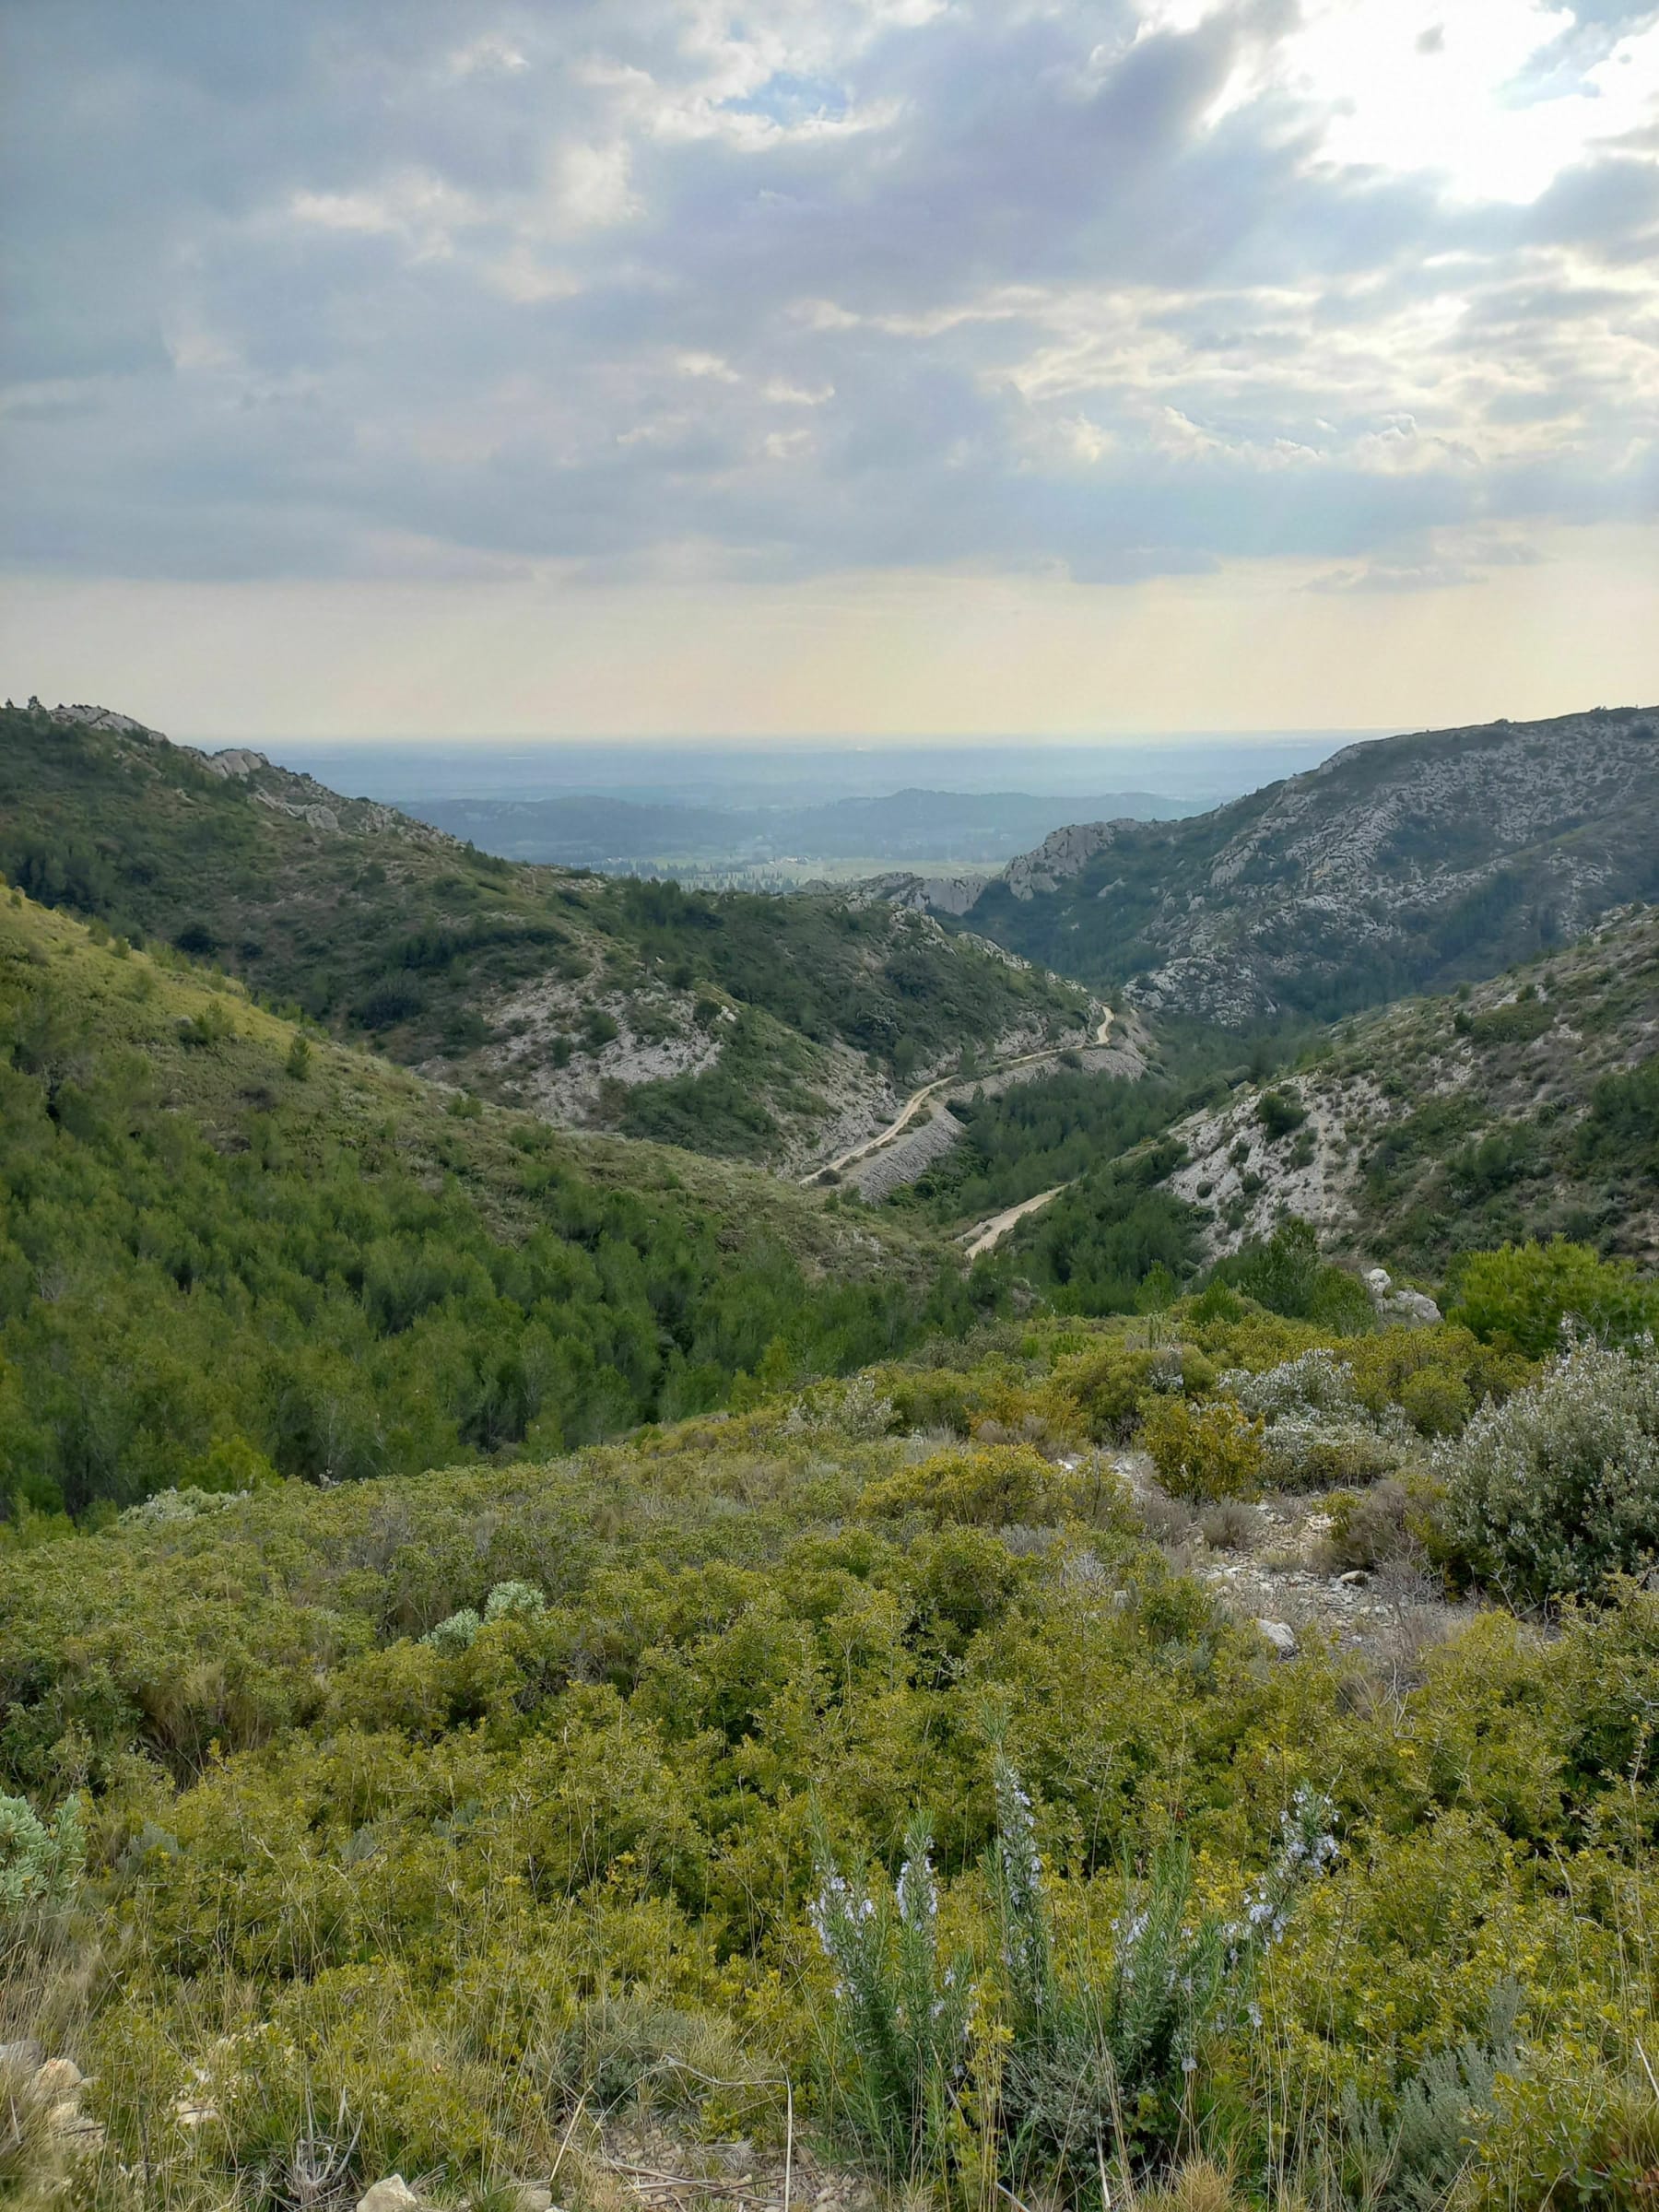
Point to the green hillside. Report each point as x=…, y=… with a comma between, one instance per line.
x=738, y=1025
x=227, y=1245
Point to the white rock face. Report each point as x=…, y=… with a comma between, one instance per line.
x=235, y=760
x=101, y=718
x=1061, y=853
x=1280, y=1635
x=1400, y=1309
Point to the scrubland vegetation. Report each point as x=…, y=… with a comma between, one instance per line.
x=229, y=1250
x=862, y=1756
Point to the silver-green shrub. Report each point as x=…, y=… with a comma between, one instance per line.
x=457, y=1633
x=38, y=1866
x=1557, y=1489
x=1315, y=1382
x=517, y=1601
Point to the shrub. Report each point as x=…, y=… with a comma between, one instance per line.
x=1518, y=1296
x=1370, y=1527
x=1315, y=1381
x=1436, y=1401
x=1059, y=2058
x=1204, y=1453
x=1287, y=1274
x=993, y=1486
x=1554, y=1491
x=455, y=1634
x=38, y=1866
x=1319, y=1455
x=1111, y=1382
x=1279, y=1113
x=1430, y=1373
x=516, y=1601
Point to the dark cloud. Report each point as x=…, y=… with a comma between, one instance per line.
x=357, y=289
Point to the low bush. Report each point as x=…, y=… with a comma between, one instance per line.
x=1112, y=1384
x=1324, y=1455
x=1204, y=1453
x=1558, y=1489
x=994, y=1486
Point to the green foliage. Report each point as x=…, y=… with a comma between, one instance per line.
x=1279, y=1113
x=1204, y=1453
x=39, y=1865
x=446, y=1890
x=1518, y=1298
x=1112, y=1381
x=1558, y=1489
x=994, y=1486
x=377, y=926
x=1035, y=1135
x=1285, y=1275
x=209, y=1274
x=1093, y=1249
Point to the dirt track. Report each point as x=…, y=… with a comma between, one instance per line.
x=936, y=1089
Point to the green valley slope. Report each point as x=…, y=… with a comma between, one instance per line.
x=776, y=1030
x=226, y=1247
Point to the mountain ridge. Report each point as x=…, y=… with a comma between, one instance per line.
x=779, y=1032
x=1399, y=863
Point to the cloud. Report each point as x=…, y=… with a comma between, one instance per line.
x=627, y=290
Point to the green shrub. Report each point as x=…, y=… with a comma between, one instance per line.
x=1111, y=1383
x=1285, y=1275
x=1518, y=1296
x=1279, y=1113
x=994, y=1486
x=1557, y=1490
x=1204, y=1453
x=514, y=1601
x=38, y=1866
x=457, y=1633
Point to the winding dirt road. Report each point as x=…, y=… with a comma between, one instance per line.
x=940, y=1084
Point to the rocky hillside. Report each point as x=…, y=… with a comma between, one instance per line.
x=1401, y=864
x=777, y=1030
x=1525, y=1107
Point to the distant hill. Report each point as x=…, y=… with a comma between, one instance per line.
x=776, y=1030
x=1399, y=864
x=1527, y=1106
x=604, y=832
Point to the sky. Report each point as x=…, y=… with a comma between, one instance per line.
x=626, y=368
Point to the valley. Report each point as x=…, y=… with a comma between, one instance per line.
x=489, y=1597
x=779, y=1032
